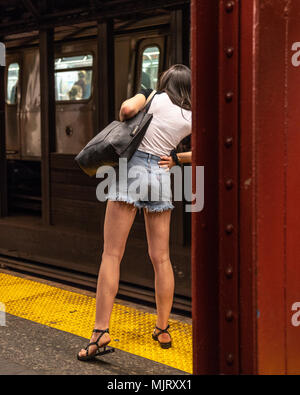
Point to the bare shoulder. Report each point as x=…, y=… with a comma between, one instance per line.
x=132, y=106
x=136, y=101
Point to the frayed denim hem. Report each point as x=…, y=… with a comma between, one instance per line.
x=150, y=207
x=125, y=199
x=159, y=209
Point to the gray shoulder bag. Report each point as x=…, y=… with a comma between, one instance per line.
x=117, y=140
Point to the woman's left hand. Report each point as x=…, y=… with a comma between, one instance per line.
x=166, y=161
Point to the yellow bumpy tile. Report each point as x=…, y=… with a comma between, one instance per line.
x=130, y=328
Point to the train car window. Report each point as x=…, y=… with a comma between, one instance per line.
x=12, y=83
x=73, y=78
x=150, y=67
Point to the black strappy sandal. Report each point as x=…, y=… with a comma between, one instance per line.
x=98, y=352
x=155, y=337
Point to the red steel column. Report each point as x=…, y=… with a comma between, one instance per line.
x=292, y=215
x=270, y=191
x=247, y=188
x=204, y=39
x=228, y=186
x=270, y=160
x=245, y=247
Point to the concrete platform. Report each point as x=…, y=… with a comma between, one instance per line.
x=29, y=348
x=70, y=312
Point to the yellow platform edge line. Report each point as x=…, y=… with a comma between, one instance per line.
x=74, y=313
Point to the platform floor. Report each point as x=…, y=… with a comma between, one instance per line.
x=47, y=323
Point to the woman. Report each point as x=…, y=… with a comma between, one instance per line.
x=171, y=122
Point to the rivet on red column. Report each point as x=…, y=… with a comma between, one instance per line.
x=229, y=183
x=229, y=271
x=229, y=229
x=229, y=359
x=229, y=52
x=229, y=5
x=229, y=96
x=228, y=142
x=229, y=315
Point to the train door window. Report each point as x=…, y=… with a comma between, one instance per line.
x=149, y=67
x=12, y=110
x=12, y=83
x=23, y=176
x=73, y=78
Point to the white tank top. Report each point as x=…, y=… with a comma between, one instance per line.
x=170, y=124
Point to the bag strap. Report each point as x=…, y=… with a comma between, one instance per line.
x=144, y=111
x=149, y=100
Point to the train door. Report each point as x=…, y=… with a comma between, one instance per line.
x=73, y=94
x=23, y=136
x=73, y=197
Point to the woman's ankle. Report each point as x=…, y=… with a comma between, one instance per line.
x=101, y=327
x=162, y=324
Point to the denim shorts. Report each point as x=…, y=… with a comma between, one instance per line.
x=142, y=183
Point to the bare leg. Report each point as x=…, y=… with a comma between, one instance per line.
x=158, y=230
x=119, y=218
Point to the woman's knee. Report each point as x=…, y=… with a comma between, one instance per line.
x=113, y=254
x=159, y=258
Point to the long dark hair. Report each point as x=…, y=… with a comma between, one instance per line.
x=176, y=82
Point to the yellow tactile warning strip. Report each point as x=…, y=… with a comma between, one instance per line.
x=130, y=329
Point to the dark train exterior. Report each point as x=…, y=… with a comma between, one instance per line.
x=96, y=67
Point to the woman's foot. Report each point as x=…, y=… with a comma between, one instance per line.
x=103, y=339
x=162, y=336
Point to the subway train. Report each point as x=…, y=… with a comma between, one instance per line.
x=68, y=246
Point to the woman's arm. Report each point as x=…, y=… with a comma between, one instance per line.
x=132, y=106
x=183, y=157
